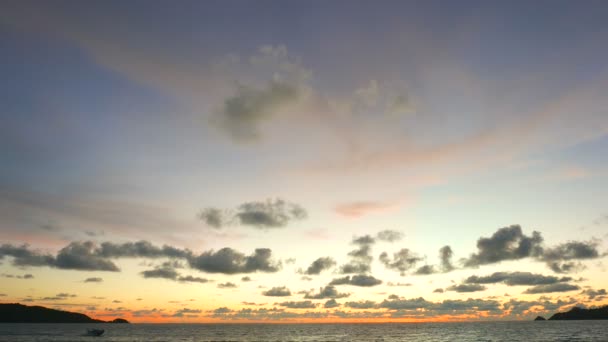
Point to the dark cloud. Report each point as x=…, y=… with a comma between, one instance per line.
x=185, y=312
x=365, y=304
x=277, y=292
x=357, y=280
x=563, y=258
x=402, y=261
x=305, y=304
x=226, y=285
x=23, y=256
x=360, y=258
x=191, y=279
x=216, y=218
x=93, y=280
x=140, y=249
x=229, y=261
x=327, y=292
x=83, y=256
x=466, y=288
x=242, y=113
x=516, y=278
x=161, y=272
x=389, y=235
x=438, y=291
x=550, y=288
x=508, y=243
x=331, y=303
x=267, y=214
x=445, y=257
x=245, y=279
x=425, y=270
x=320, y=265
x=595, y=294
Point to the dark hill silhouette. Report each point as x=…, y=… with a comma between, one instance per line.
x=540, y=318
x=18, y=313
x=577, y=313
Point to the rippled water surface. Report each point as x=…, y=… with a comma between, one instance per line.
x=474, y=331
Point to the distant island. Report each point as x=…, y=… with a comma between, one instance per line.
x=577, y=313
x=18, y=313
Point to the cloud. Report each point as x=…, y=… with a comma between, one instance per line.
x=462, y=288
x=327, y=292
x=93, y=280
x=191, y=279
x=140, y=249
x=23, y=256
x=245, y=279
x=215, y=218
x=361, y=257
x=508, y=243
x=560, y=258
x=550, y=288
x=331, y=303
x=229, y=261
x=357, y=280
x=438, y=291
x=241, y=114
x=516, y=278
x=361, y=208
x=425, y=270
x=402, y=261
x=320, y=265
x=595, y=294
x=364, y=304
x=282, y=291
x=226, y=285
x=445, y=257
x=161, y=272
x=83, y=256
x=389, y=235
x=305, y=304
x=276, y=213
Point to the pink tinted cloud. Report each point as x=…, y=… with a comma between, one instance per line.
x=360, y=208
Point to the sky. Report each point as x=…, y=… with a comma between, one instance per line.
x=272, y=161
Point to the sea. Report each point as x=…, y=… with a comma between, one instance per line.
x=469, y=331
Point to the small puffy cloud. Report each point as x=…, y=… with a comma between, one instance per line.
x=320, y=265
x=425, y=270
x=229, y=261
x=516, y=278
x=508, y=243
x=245, y=279
x=276, y=213
x=282, y=291
x=161, y=272
x=357, y=280
x=23, y=256
x=402, y=261
x=226, y=285
x=327, y=292
x=550, y=288
x=564, y=258
x=93, y=280
x=192, y=279
x=331, y=303
x=445, y=257
x=389, y=235
x=360, y=258
x=463, y=288
x=438, y=291
x=305, y=304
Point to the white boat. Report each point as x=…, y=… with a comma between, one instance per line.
x=95, y=332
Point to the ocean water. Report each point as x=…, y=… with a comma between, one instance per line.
x=472, y=331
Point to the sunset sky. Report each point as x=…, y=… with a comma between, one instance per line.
x=296, y=161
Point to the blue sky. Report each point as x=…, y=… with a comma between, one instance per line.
x=302, y=128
